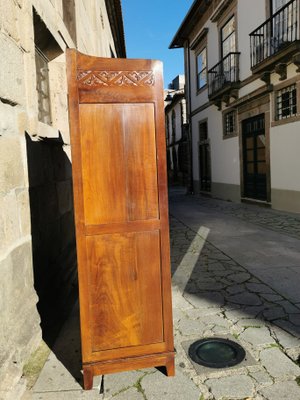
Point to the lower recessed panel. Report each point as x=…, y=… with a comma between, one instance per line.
x=125, y=290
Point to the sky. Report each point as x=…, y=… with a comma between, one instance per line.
x=149, y=29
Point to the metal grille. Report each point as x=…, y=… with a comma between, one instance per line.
x=225, y=73
x=229, y=123
x=286, y=102
x=276, y=33
x=42, y=87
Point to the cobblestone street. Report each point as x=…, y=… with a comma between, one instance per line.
x=236, y=274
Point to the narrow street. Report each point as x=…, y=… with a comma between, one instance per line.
x=236, y=275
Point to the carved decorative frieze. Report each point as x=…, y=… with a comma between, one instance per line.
x=115, y=78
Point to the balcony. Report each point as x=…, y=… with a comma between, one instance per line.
x=223, y=78
x=276, y=41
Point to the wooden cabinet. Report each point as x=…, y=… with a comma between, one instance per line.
x=121, y=213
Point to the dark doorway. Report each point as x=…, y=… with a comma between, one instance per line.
x=254, y=158
x=204, y=158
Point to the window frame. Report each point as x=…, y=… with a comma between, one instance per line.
x=231, y=34
x=43, y=87
x=198, y=73
x=173, y=126
x=279, y=111
x=234, y=133
x=275, y=121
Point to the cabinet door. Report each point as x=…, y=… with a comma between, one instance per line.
x=120, y=193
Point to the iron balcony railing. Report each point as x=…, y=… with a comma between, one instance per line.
x=223, y=74
x=275, y=34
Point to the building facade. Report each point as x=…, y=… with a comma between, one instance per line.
x=37, y=242
x=243, y=92
x=176, y=131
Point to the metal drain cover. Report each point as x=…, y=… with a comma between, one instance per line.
x=216, y=352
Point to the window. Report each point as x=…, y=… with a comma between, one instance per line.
x=173, y=126
x=228, y=38
x=46, y=50
x=286, y=102
x=201, y=69
x=167, y=130
x=69, y=17
x=42, y=87
x=285, y=23
x=203, y=131
x=229, y=124
x=277, y=5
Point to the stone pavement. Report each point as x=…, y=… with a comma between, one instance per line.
x=236, y=274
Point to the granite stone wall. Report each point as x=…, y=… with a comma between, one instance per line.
x=38, y=276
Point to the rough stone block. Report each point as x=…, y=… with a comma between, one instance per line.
x=24, y=211
x=9, y=220
x=19, y=321
x=9, y=11
x=12, y=85
x=12, y=169
x=8, y=119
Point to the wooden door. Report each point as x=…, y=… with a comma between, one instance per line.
x=121, y=213
x=254, y=158
x=204, y=158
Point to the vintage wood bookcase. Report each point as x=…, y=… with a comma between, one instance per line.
x=121, y=213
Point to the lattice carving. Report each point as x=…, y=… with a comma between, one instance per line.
x=115, y=78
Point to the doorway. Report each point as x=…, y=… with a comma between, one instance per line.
x=204, y=158
x=254, y=158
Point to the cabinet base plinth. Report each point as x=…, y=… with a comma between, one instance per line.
x=90, y=370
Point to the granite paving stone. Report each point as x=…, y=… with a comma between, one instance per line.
x=274, y=313
x=116, y=383
x=191, y=327
x=130, y=394
x=228, y=284
x=257, y=336
x=278, y=364
x=262, y=378
x=231, y=387
x=178, y=388
x=245, y=298
x=279, y=391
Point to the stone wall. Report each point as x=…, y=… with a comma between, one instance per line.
x=37, y=241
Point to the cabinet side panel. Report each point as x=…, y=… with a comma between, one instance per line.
x=141, y=163
x=103, y=168
x=125, y=290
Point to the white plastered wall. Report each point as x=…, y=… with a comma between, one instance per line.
x=285, y=160
x=225, y=164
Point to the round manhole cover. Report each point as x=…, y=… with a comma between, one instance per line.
x=216, y=352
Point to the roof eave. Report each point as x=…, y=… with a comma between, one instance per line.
x=197, y=9
x=114, y=11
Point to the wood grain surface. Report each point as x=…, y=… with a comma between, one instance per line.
x=121, y=213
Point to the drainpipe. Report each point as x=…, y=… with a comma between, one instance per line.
x=190, y=135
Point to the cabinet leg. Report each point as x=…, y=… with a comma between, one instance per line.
x=88, y=378
x=170, y=367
